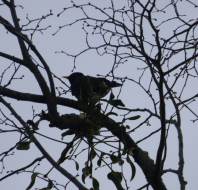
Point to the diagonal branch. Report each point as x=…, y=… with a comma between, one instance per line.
x=15, y=30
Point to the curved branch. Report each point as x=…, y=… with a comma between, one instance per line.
x=27, y=62
x=47, y=69
x=36, y=98
x=12, y=58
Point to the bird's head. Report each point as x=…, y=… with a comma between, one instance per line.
x=74, y=76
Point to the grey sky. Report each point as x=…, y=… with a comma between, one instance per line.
x=72, y=39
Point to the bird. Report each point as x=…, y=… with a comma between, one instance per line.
x=90, y=89
x=79, y=86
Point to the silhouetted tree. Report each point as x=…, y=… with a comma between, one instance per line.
x=152, y=46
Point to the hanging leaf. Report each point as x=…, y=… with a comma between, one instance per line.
x=116, y=178
x=134, y=117
x=100, y=159
x=69, y=132
x=116, y=103
x=92, y=154
x=24, y=145
x=133, y=169
x=33, y=180
x=114, y=159
x=77, y=165
x=111, y=96
x=86, y=171
x=95, y=184
x=111, y=113
x=50, y=185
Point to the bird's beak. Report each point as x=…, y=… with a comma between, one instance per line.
x=66, y=77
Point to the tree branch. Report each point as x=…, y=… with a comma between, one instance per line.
x=40, y=147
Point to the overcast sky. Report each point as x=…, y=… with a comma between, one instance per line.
x=72, y=40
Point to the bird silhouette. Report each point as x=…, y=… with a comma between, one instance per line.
x=89, y=89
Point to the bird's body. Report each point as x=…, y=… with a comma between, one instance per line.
x=90, y=89
x=78, y=85
x=101, y=86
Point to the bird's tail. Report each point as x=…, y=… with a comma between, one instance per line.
x=115, y=84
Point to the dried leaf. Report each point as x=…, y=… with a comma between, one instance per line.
x=95, y=184
x=116, y=178
x=24, y=145
x=133, y=169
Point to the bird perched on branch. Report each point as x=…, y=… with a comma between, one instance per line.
x=90, y=89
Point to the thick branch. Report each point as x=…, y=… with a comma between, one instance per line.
x=141, y=157
x=36, y=98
